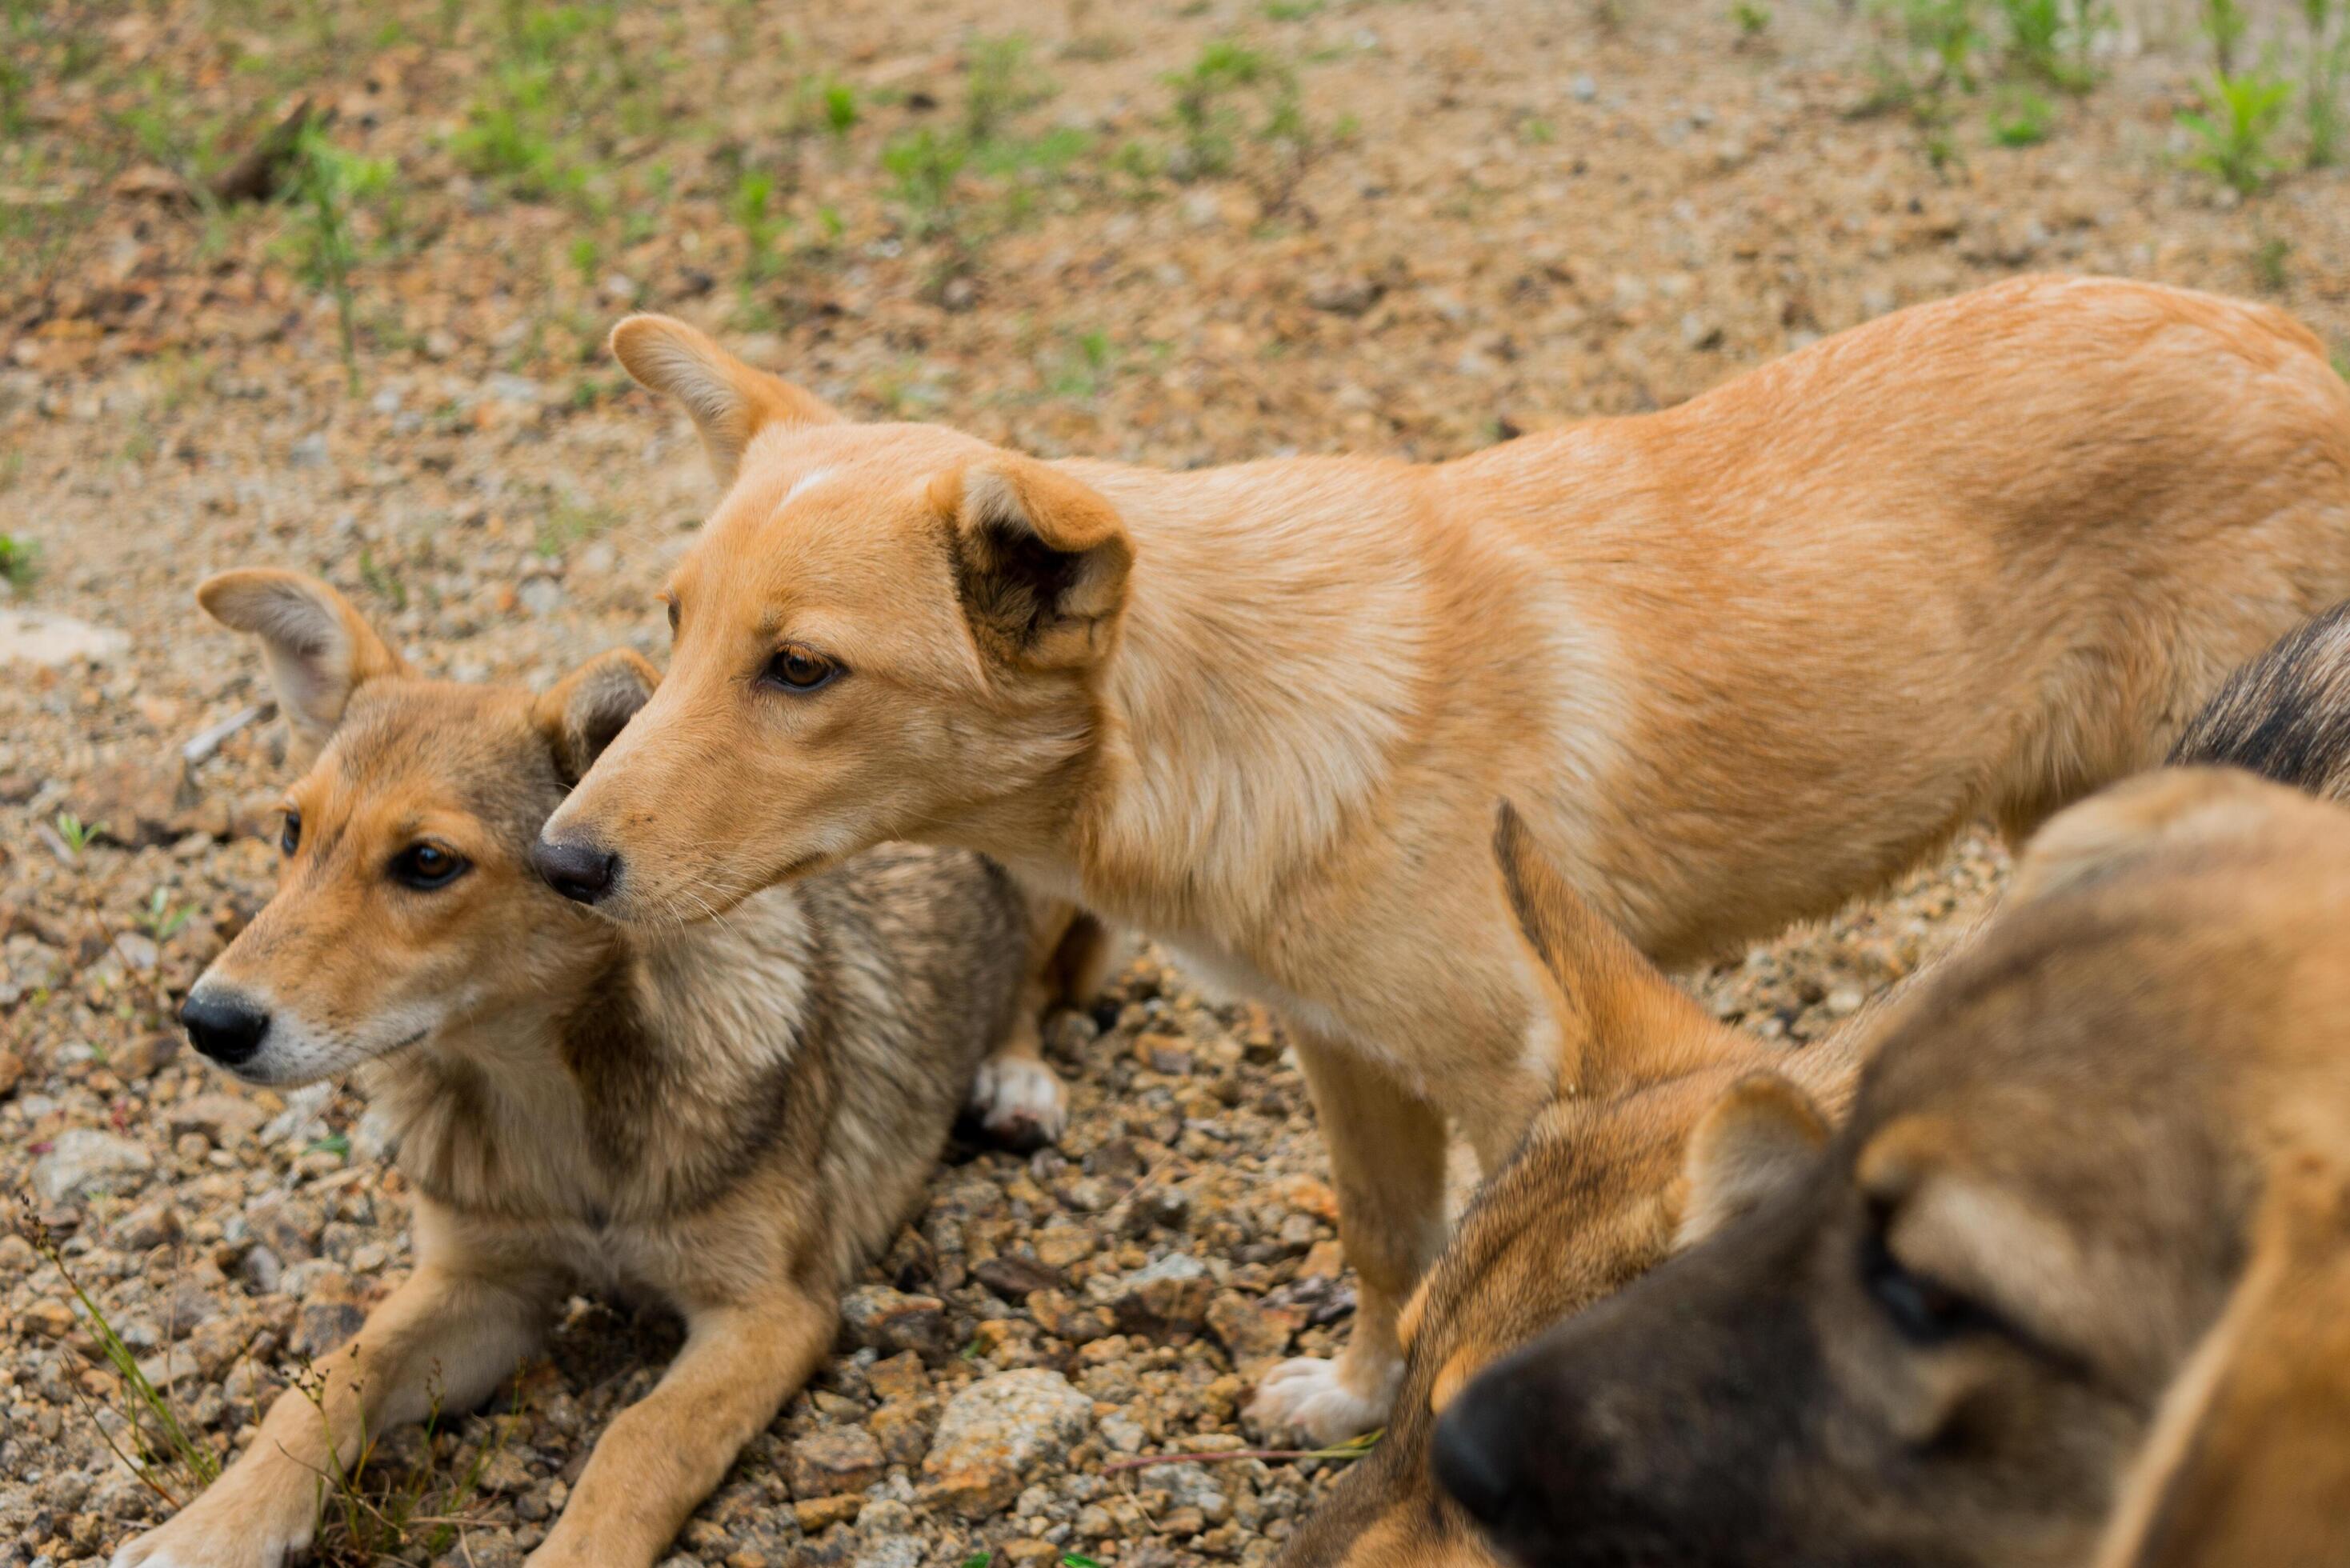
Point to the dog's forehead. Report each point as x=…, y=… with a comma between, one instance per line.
x=443, y=747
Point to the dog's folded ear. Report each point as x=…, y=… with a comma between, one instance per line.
x=2117, y=826
x=584, y=712
x=2249, y=1462
x=730, y=401
x=320, y=649
x=1756, y=1140
x=1621, y=1021
x=1040, y=559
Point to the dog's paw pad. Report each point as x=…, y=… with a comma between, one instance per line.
x=1021, y=1102
x=1310, y=1395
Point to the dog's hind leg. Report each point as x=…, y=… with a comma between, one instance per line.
x=1018, y=1098
x=1387, y=1159
x=662, y=1455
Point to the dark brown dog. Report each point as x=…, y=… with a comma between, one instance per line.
x=2089, y=1152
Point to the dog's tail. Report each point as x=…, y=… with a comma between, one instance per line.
x=2284, y=716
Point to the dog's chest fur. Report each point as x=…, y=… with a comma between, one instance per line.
x=785, y=1073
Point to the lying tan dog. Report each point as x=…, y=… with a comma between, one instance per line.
x=1596, y=1195
x=729, y=1117
x=2097, y=1160
x=1737, y=662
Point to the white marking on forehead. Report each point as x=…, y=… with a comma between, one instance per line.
x=806, y=481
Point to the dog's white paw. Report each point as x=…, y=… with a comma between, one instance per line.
x=1020, y=1101
x=206, y=1534
x=1318, y=1399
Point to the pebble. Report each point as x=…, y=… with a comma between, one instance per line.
x=86, y=1160
x=1001, y=1430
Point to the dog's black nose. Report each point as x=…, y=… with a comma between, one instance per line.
x=580, y=872
x=1476, y=1452
x=226, y=1027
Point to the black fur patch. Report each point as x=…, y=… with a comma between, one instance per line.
x=2284, y=716
x=1011, y=581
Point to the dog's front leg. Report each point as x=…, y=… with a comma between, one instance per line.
x=443, y=1339
x=1387, y=1160
x=661, y=1456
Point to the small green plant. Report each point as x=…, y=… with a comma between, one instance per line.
x=2225, y=24
x=924, y=167
x=19, y=559
x=2233, y=134
x=1207, y=112
x=1754, y=20
x=162, y=920
x=2329, y=61
x=2038, y=34
x=327, y=184
x=840, y=109
x=382, y=581
x=157, y=1435
x=752, y=210
x=999, y=81
x=77, y=835
x=2021, y=118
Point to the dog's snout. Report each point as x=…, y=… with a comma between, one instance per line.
x=580, y=872
x=226, y=1027
x=1475, y=1452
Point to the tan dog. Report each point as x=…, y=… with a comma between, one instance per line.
x=729, y=1117
x=2098, y=1161
x=1596, y=1195
x=1737, y=662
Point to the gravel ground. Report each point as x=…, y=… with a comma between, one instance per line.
x=1470, y=219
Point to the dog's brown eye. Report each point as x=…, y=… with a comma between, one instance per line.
x=673, y=618
x=425, y=867
x=290, y=836
x=1922, y=1311
x=797, y=669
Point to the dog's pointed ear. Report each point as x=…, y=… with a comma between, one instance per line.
x=730, y=401
x=1756, y=1140
x=584, y=712
x=1620, y=1020
x=1041, y=559
x=2249, y=1462
x=319, y=648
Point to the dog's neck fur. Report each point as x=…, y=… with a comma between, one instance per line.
x=628, y=1086
x=1227, y=759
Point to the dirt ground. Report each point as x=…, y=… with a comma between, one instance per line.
x=1180, y=232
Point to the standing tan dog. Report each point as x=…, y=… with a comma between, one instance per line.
x=1597, y=1195
x=2100, y=1166
x=1737, y=662
x=730, y=1117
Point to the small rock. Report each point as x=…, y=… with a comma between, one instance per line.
x=835, y=1459
x=1345, y=296
x=41, y=637
x=1250, y=1330
x=898, y=1377
x=1015, y=1277
x=879, y=1318
x=12, y=1069
x=144, y=1056
x=820, y=1513
x=902, y=1428
x=150, y=1225
x=310, y=451
x=1584, y=89
x=226, y=1119
x=1000, y=1431
x=1167, y=1300
x=540, y=595
x=136, y=802
x=86, y=1160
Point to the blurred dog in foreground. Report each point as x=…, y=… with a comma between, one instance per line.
x=1597, y=1195
x=2095, y=1187
x=1737, y=662
x=731, y=1117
